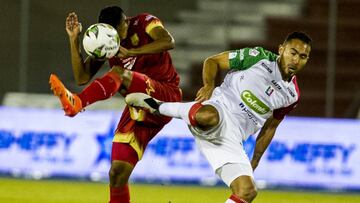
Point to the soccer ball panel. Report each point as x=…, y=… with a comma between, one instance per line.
x=101, y=41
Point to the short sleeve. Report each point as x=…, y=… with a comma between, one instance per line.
x=151, y=22
x=282, y=112
x=243, y=59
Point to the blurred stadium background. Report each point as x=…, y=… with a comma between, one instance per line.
x=37, y=142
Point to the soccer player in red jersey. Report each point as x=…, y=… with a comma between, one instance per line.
x=142, y=65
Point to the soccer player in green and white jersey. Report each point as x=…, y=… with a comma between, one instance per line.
x=257, y=93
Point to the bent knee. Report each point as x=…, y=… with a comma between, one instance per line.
x=207, y=117
x=247, y=194
x=119, y=173
x=124, y=74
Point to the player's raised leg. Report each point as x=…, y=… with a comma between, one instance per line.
x=193, y=113
x=101, y=88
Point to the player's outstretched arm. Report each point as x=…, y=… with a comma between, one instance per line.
x=263, y=140
x=211, y=67
x=163, y=41
x=83, y=70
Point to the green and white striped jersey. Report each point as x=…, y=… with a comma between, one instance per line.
x=254, y=90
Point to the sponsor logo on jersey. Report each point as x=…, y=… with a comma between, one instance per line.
x=253, y=52
x=232, y=55
x=269, y=91
x=276, y=84
x=248, y=113
x=136, y=22
x=134, y=39
x=149, y=87
x=241, y=54
x=291, y=92
x=254, y=103
x=242, y=77
x=266, y=67
x=149, y=17
x=129, y=62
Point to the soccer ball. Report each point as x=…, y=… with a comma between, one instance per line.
x=101, y=41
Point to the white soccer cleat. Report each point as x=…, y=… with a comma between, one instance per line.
x=142, y=100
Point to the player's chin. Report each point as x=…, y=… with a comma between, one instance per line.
x=292, y=72
x=123, y=35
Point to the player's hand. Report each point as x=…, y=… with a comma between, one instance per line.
x=123, y=52
x=204, y=93
x=72, y=25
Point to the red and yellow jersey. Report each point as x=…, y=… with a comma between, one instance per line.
x=158, y=66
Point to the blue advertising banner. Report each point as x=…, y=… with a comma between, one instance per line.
x=313, y=152
x=305, y=152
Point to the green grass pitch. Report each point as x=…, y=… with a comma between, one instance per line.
x=56, y=191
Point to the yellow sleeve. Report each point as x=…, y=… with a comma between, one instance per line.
x=154, y=23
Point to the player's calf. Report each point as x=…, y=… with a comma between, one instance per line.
x=101, y=89
x=195, y=114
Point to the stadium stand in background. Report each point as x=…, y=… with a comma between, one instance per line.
x=201, y=28
x=267, y=22
x=320, y=154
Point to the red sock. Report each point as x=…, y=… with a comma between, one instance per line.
x=235, y=199
x=119, y=194
x=100, y=89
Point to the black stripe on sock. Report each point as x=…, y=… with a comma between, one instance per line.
x=152, y=103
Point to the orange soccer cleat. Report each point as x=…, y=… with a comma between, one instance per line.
x=70, y=102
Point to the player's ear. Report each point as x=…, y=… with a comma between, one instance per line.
x=281, y=49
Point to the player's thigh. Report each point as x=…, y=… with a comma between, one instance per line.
x=131, y=137
x=123, y=153
x=225, y=147
x=159, y=90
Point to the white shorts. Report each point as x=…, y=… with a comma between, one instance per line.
x=229, y=172
x=222, y=145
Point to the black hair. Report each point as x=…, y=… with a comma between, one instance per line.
x=112, y=15
x=299, y=35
